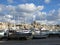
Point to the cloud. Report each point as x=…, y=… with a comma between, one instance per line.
x=29, y=7
x=47, y=1
x=47, y=22
x=42, y=14
x=22, y=10
x=8, y=16
x=10, y=1
x=52, y=15
x=10, y=8
x=52, y=22
x=25, y=12
x=12, y=21
x=59, y=12
x=2, y=8
x=58, y=4
x=42, y=22
x=1, y=18
x=28, y=10
x=50, y=18
x=51, y=12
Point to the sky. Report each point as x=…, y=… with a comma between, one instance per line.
x=27, y=11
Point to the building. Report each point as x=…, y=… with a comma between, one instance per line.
x=3, y=25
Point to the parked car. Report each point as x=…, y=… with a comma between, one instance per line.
x=54, y=33
x=44, y=33
x=20, y=34
x=4, y=34
x=41, y=33
x=12, y=34
x=25, y=33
